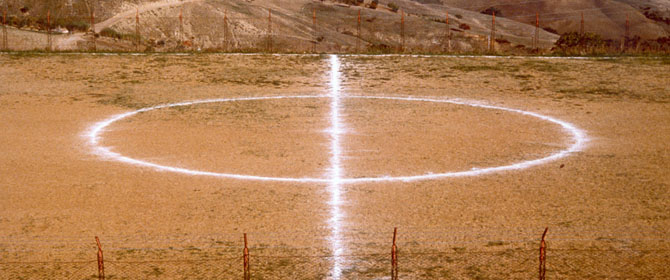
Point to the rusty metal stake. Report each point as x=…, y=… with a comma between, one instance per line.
x=536, y=38
x=137, y=29
x=543, y=255
x=402, y=31
x=358, y=34
x=394, y=256
x=95, y=43
x=247, y=274
x=49, y=39
x=314, y=36
x=181, y=27
x=226, y=31
x=269, y=30
x=101, y=263
x=448, y=33
x=4, y=28
x=492, y=47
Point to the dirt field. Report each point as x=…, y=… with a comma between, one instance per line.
x=606, y=206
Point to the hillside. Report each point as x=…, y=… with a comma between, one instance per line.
x=244, y=25
x=604, y=17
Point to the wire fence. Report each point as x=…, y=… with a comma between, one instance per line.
x=316, y=27
x=412, y=255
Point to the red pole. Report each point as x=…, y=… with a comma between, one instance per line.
x=49, y=42
x=358, y=29
x=137, y=27
x=448, y=32
x=269, y=30
x=394, y=256
x=543, y=256
x=247, y=275
x=181, y=26
x=402, y=30
x=493, y=32
x=101, y=263
x=536, y=38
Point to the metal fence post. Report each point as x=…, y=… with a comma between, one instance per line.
x=543, y=256
x=137, y=29
x=492, y=47
x=4, y=28
x=95, y=43
x=536, y=38
x=448, y=33
x=101, y=263
x=394, y=256
x=358, y=32
x=402, y=31
x=247, y=274
x=49, y=39
x=314, y=35
x=269, y=48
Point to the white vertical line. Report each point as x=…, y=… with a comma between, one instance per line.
x=335, y=174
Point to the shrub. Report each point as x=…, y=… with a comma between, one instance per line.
x=550, y=30
x=394, y=7
x=76, y=25
x=464, y=26
x=491, y=10
x=459, y=16
x=574, y=41
x=111, y=33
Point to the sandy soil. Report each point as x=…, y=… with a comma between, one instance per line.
x=55, y=195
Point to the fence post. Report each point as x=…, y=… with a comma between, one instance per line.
x=394, y=256
x=402, y=31
x=492, y=47
x=314, y=30
x=358, y=30
x=181, y=27
x=95, y=43
x=226, y=31
x=49, y=39
x=269, y=30
x=536, y=38
x=137, y=29
x=101, y=263
x=247, y=274
x=626, y=35
x=448, y=33
x=4, y=28
x=543, y=255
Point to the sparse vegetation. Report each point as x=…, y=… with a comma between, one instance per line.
x=393, y=6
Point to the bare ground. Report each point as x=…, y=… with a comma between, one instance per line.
x=606, y=207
